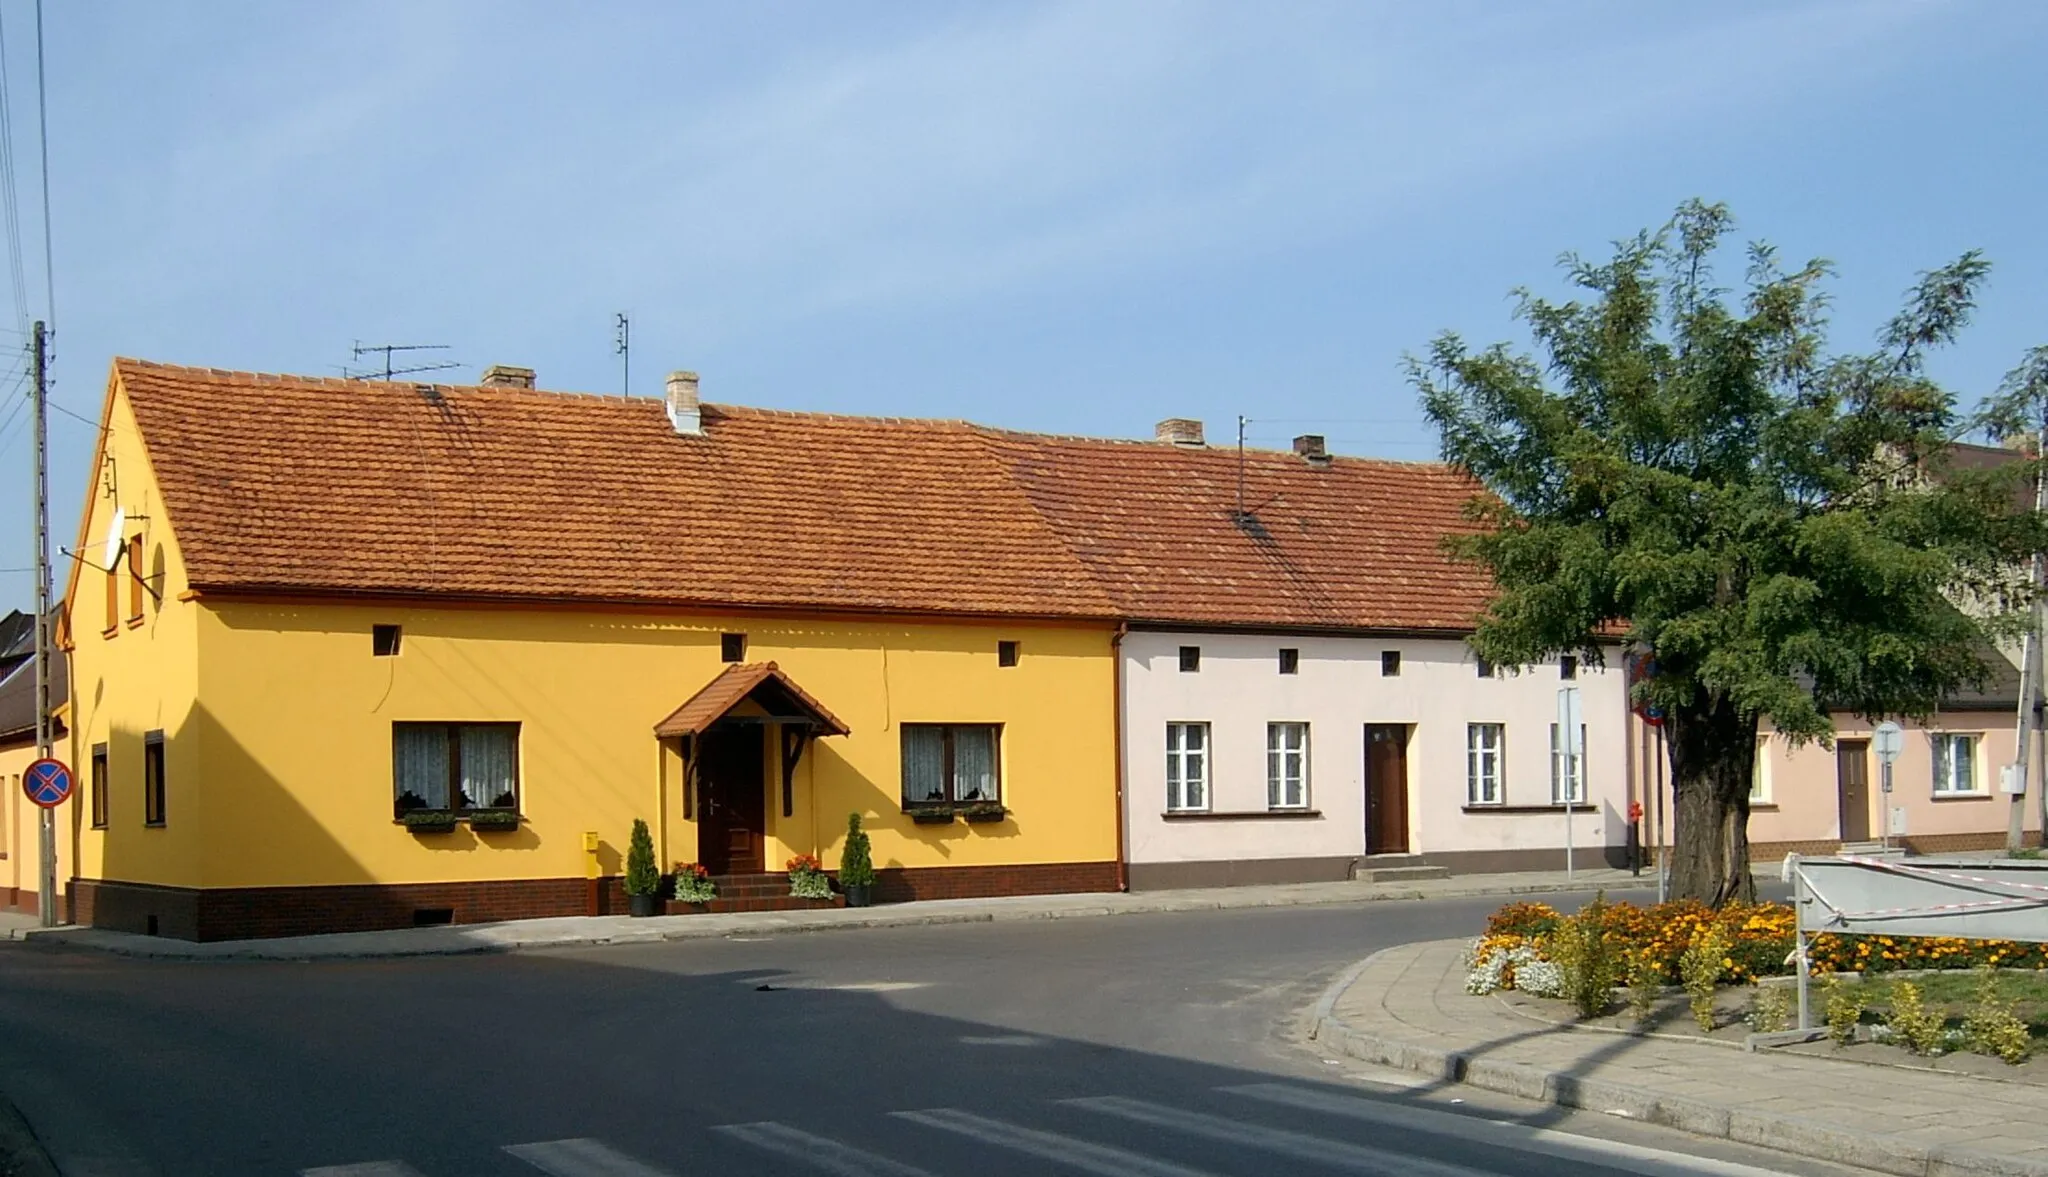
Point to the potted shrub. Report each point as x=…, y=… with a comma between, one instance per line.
x=429, y=821
x=856, y=866
x=693, y=883
x=984, y=811
x=643, y=880
x=807, y=878
x=494, y=821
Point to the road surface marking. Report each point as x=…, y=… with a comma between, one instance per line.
x=1337, y=1154
x=1002, y=1040
x=822, y=1152
x=1099, y=1159
x=1650, y=1162
x=366, y=1169
x=581, y=1157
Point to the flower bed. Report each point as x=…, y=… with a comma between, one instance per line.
x=1759, y=938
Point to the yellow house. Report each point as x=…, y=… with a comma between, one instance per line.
x=351, y=655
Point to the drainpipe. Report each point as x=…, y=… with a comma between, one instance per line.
x=1123, y=857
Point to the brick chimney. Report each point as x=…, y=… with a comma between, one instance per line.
x=1310, y=447
x=1180, y=431
x=507, y=376
x=684, y=411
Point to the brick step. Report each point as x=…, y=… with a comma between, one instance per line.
x=783, y=902
x=1400, y=874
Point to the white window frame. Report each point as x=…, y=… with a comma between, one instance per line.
x=1486, y=781
x=1760, y=773
x=1946, y=778
x=1285, y=789
x=1187, y=769
x=1557, y=796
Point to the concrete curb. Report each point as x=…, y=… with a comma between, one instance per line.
x=491, y=939
x=1788, y=1134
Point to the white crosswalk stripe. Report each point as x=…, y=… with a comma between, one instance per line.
x=1635, y=1158
x=365, y=1169
x=582, y=1157
x=824, y=1153
x=1100, y=1159
x=1299, y=1146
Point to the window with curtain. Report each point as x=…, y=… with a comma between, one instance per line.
x=1187, y=767
x=945, y=763
x=455, y=766
x=1567, y=776
x=1483, y=742
x=1955, y=763
x=1286, y=766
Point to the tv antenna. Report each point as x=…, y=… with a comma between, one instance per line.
x=389, y=350
x=623, y=344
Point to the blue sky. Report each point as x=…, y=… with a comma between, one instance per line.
x=1077, y=217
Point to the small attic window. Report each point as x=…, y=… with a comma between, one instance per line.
x=1567, y=668
x=1190, y=659
x=384, y=640
x=1006, y=653
x=732, y=647
x=1290, y=660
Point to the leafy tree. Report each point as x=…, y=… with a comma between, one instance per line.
x=1689, y=469
x=642, y=876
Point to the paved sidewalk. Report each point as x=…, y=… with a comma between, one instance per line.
x=575, y=931
x=1407, y=1007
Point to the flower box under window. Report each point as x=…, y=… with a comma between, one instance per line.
x=493, y=821
x=983, y=811
x=429, y=821
x=932, y=815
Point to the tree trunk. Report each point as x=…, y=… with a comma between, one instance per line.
x=1713, y=753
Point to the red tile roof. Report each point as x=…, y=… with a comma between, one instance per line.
x=305, y=485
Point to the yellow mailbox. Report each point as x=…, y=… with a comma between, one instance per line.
x=590, y=854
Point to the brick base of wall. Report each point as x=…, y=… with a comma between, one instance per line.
x=248, y=913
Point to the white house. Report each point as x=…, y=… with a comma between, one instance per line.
x=1259, y=757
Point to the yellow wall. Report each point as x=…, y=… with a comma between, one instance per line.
x=295, y=718
x=135, y=678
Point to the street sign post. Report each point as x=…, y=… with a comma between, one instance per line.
x=1569, y=754
x=47, y=783
x=1887, y=741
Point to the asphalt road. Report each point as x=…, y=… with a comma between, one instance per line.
x=1136, y=1046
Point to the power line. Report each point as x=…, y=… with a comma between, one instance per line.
x=43, y=139
x=9, y=191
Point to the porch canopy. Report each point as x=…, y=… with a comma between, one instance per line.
x=780, y=701
x=764, y=683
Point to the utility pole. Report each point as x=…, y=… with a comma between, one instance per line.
x=623, y=345
x=2030, y=664
x=47, y=894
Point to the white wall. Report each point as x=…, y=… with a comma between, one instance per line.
x=1338, y=691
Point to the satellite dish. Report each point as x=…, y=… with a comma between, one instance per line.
x=114, y=538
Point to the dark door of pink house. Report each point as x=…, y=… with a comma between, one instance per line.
x=1386, y=788
x=733, y=809
x=1852, y=779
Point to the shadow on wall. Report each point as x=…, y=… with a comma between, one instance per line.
x=248, y=814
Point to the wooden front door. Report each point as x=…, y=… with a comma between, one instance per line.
x=1852, y=780
x=1386, y=788
x=731, y=814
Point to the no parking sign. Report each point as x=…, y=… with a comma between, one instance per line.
x=47, y=783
